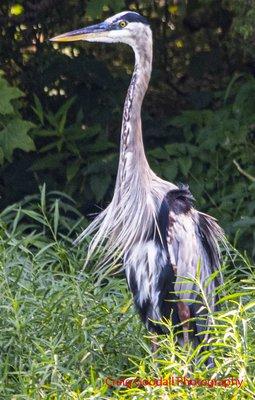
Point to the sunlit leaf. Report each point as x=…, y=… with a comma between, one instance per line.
x=173, y=9
x=16, y=9
x=179, y=43
x=56, y=216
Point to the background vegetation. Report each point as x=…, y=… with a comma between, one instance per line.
x=63, y=104
x=60, y=118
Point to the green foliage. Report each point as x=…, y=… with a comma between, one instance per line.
x=83, y=154
x=14, y=130
x=243, y=26
x=63, y=334
x=8, y=94
x=211, y=144
x=198, y=116
x=96, y=7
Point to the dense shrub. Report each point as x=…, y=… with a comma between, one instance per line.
x=63, y=333
x=198, y=116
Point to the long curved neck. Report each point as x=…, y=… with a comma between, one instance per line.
x=132, y=155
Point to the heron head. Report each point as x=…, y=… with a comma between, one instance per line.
x=126, y=27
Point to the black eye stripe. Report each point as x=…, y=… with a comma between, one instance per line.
x=126, y=18
x=134, y=17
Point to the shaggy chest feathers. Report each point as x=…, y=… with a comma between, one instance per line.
x=160, y=270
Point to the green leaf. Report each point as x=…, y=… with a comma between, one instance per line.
x=51, y=161
x=38, y=110
x=100, y=145
x=116, y=5
x=14, y=136
x=62, y=114
x=95, y=8
x=49, y=147
x=44, y=133
x=251, y=304
x=43, y=197
x=1, y=156
x=72, y=170
x=159, y=153
x=169, y=170
x=34, y=215
x=56, y=216
x=7, y=94
x=185, y=164
x=99, y=185
x=63, y=110
x=174, y=149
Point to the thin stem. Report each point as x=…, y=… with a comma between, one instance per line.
x=246, y=174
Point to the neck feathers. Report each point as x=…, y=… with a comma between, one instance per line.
x=132, y=155
x=132, y=213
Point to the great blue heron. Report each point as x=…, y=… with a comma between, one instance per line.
x=150, y=223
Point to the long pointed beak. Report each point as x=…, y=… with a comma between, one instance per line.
x=88, y=33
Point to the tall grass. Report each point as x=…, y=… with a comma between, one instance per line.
x=62, y=333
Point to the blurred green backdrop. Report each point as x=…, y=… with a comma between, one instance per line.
x=61, y=105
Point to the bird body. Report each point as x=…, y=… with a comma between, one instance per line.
x=151, y=224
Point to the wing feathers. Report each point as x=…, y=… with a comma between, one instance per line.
x=193, y=241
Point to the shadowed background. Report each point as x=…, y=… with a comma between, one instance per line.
x=61, y=105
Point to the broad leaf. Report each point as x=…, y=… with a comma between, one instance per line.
x=14, y=136
x=7, y=94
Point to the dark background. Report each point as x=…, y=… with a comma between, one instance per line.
x=62, y=126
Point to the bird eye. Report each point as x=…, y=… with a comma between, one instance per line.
x=122, y=24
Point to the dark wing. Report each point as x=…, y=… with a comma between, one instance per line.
x=193, y=241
